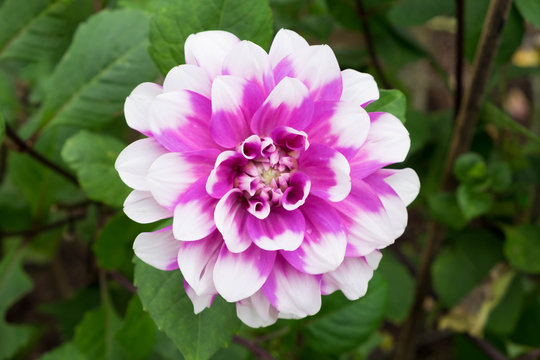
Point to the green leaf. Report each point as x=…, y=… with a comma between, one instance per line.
x=68, y=351
x=32, y=29
x=197, y=336
x=94, y=336
x=14, y=283
x=400, y=285
x=417, y=12
x=348, y=323
x=175, y=20
x=461, y=266
x=138, y=333
x=530, y=10
x=113, y=247
x=490, y=114
x=470, y=168
x=92, y=156
x=500, y=175
x=2, y=125
x=472, y=201
x=504, y=317
x=445, y=209
x=106, y=60
x=526, y=331
x=390, y=101
x=522, y=247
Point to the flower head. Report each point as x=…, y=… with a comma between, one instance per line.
x=272, y=172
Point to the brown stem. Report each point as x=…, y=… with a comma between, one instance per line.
x=460, y=142
x=368, y=38
x=123, y=281
x=460, y=15
x=531, y=355
x=488, y=349
x=24, y=147
x=47, y=227
x=256, y=350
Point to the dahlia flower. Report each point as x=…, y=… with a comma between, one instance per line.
x=272, y=172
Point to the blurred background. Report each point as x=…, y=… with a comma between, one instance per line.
x=66, y=269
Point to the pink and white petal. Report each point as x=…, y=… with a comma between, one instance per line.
x=366, y=220
x=158, y=249
x=351, y=277
x=221, y=178
x=393, y=205
x=328, y=170
x=296, y=195
x=230, y=217
x=281, y=230
x=140, y=206
x=173, y=173
x=200, y=302
x=234, y=101
x=317, y=67
x=289, y=104
x=137, y=105
x=179, y=120
x=249, y=61
x=343, y=126
x=188, y=77
x=256, y=311
x=289, y=138
x=405, y=183
x=207, y=50
x=387, y=143
x=240, y=275
x=196, y=260
x=284, y=43
x=374, y=259
x=194, y=213
x=293, y=293
x=358, y=88
x=134, y=162
x=325, y=240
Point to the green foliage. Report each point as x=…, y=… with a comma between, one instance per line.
x=345, y=324
x=417, y=12
x=68, y=351
x=176, y=20
x=400, y=287
x=522, y=247
x=390, y=101
x=197, y=336
x=92, y=156
x=530, y=10
x=89, y=86
x=138, y=333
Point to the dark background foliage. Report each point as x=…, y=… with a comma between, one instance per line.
x=461, y=283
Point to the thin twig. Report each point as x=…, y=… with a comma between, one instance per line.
x=460, y=142
x=531, y=355
x=123, y=281
x=368, y=38
x=488, y=349
x=460, y=15
x=256, y=350
x=24, y=147
x=47, y=227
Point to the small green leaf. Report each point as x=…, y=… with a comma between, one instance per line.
x=175, y=20
x=138, y=333
x=473, y=202
x=390, y=101
x=89, y=86
x=445, y=209
x=417, y=12
x=530, y=10
x=92, y=156
x=348, y=323
x=68, y=351
x=470, y=168
x=400, y=285
x=522, y=247
x=500, y=175
x=198, y=337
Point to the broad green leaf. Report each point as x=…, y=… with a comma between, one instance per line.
x=526, y=331
x=475, y=15
x=390, y=101
x=504, y=317
x=400, y=287
x=94, y=336
x=106, y=60
x=113, y=247
x=459, y=267
x=175, y=20
x=522, y=247
x=198, y=337
x=417, y=12
x=530, y=10
x=348, y=323
x=500, y=175
x=32, y=29
x=472, y=201
x=470, y=168
x=2, y=124
x=138, y=333
x=92, y=156
x=14, y=283
x=68, y=351
x=445, y=209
